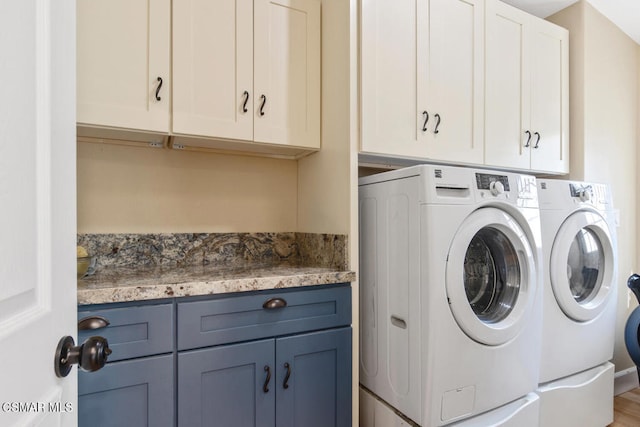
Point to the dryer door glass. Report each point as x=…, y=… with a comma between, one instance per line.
x=491, y=275
x=584, y=265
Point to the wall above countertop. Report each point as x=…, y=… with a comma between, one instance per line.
x=139, y=190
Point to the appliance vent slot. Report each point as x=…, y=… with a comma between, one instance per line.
x=452, y=191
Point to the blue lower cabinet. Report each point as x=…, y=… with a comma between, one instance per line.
x=279, y=358
x=314, y=379
x=137, y=392
x=231, y=385
x=300, y=380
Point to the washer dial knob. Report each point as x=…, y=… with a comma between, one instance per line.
x=496, y=188
x=585, y=195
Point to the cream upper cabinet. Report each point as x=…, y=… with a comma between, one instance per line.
x=550, y=98
x=247, y=70
x=527, y=91
x=213, y=68
x=123, y=51
x=286, y=72
x=422, y=79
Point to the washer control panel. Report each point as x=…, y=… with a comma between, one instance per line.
x=486, y=181
x=519, y=189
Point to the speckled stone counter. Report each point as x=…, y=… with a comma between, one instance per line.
x=142, y=267
x=123, y=285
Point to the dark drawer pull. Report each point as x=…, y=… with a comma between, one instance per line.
x=158, y=98
x=265, y=387
x=93, y=322
x=426, y=120
x=264, y=101
x=246, y=99
x=285, y=383
x=274, y=303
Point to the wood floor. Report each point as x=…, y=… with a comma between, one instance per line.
x=626, y=409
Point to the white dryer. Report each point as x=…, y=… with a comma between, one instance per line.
x=579, y=303
x=450, y=278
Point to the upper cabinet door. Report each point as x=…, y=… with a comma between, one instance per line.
x=456, y=81
x=549, y=98
x=507, y=109
x=123, y=52
x=527, y=91
x=422, y=79
x=213, y=68
x=390, y=33
x=286, y=103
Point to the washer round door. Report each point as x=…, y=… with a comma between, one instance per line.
x=582, y=267
x=491, y=277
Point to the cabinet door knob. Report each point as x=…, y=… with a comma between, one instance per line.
x=158, y=98
x=537, y=140
x=246, y=99
x=426, y=120
x=285, y=383
x=264, y=101
x=528, y=138
x=274, y=303
x=265, y=387
x=92, y=322
x=437, y=116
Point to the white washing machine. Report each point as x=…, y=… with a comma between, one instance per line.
x=450, y=288
x=579, y=303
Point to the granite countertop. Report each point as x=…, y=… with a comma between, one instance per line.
x=135, y=267
x=137, y=284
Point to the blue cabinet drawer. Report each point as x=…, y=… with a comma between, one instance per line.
x=134, y=331
x=240, y=318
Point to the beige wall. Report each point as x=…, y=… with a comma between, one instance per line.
x=323, y=181
x=145, y=190
x=604, y=130
x=327, y=181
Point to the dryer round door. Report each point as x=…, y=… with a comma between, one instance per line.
x=491, y=277
x=581, y=267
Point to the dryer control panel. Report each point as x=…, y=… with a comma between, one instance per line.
x=591, y=194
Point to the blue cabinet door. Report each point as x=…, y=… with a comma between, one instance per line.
x=136, y=392
x=228, y=386
x=314, y=379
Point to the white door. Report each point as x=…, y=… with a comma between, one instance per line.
x=38, y=217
